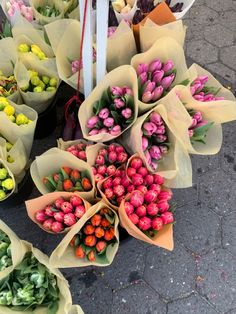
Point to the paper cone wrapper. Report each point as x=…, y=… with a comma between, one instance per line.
x=121, y=47
x=163, y=239
x=187, y=6
x=161, y=15
x=7, y=69
x=51, y=162
x=13, y=132
x=176, y=165
x=64, y=255
x=126, y=16
x=34, y=205
x=41, y=19
x=76, y=309
x=24, y=33
x=64, y=5
x=164, y=49
x=150, y=32
x=65, y=55
x=65, y=300
x=4, y=164
x=38, y=101
x=18, y=153
x=122, y=76
x=63, y=145
x=17, y=249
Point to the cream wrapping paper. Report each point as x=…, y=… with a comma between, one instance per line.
x=126, y=16
x=37, y=101
x=51, y=161
x=41, y=19
x=164, y=49
x=18, y=153
x=64, y=255
x=32, y=206
x=13, y=132
x=18, y=250
x=65, y=300
x=176, y=165
x=63, y=145
x=122, y=76
x=67, y=49
x=121, y=47
x=150, y=32
x=163, y=239
x=4, y=164
x=76, y=309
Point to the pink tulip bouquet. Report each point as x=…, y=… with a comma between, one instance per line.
x=14, y=6
x=113, y=113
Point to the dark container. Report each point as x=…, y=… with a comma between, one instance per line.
x=123, y=235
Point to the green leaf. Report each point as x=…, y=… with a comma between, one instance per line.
x=85, y=174
x=185, y=82
x=111, y=219
x=202, y=130
x=140, y=89
x=96, y=108
x=106, y=99
x=129, y=101
x=115, y=115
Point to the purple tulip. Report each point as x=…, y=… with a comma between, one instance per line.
x=203, y=79
x=161, y=130
x=209, y=97
x=126, y=113
x=119, y=103
x=149, y=128
x=158, y=76
x=155, y=65
x=161, y=138
x=93, y=132
x=167, y=81
x=155, y=118
x=149, y=87
x=155, y=152
x=168, y=66
x=109, y=122
x=91, y=123
x=142, y=67
x=147, y=97
x=116, y=130
x=104, y=113
x=157, y=93
x=144, y=143
x=198, y=97
x=163, y=149
x=117, y=91
x=198, y=87
x=148, y=157
x=143, y=78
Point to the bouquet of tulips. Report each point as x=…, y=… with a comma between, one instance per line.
x=8, y=85
x=12, y=7
x=46, y=11
x=57, y=212
x=93, y=240
x=7, y=181
x=77, y=148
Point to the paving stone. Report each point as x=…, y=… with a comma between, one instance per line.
x=202, y=52
x=203, y=15
x=227, y=154
x=228, y=19
x=194, y=30
x=128, y=301
x=90, y=292
x=183, y=197
x=216, y=277
x=228, y=56
x=222, y=71
x=220, y=6
x=171, y=274
x=217, y=191
x=219, y=36
x=197, y=228
x=204, y=164
x=229, y=233
x=127, y=267
x=194, y=304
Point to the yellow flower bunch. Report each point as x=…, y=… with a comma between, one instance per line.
x=38, y=84
x=34, y=49
x=9, y=110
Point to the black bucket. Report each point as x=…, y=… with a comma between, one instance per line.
x=24, y=190
x=47, y=121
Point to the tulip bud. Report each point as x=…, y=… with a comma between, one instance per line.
x=190, y=133
x=108, y=122
x=149, y=87
x=167, y=218
x=158, y=76
x=149, y=128
x=144, y=143
x=155, y=118
x=134, y=218
x=141, y=211
x=168, y=66
x=119, y=103
x=117, y=91
x=147, y=97
x=199, y=97
x=167, y=81
x=126, y=113
x=91, y=123
x=155, y=65
x=144, y=223
x=202, y=123
x=143, y=78
x=157, y=223
x=142, y=67
x=157, y=93
x=155, y=152
x=116, y=130
x=203, y=79
x=104, y=113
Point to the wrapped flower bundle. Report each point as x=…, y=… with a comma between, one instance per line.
x=78, y=150
x=38, y=83
x=113, y=113
x=97, y=235
x=155, y=139
x=5, y=251
x=68, y=179
x=14, y=6
x=7, y=108
x=199, y=127
x=7, y=182
x=105, y=160
x=48, y=11
x=8, y=85
x=8, y=146
x=155, y=79
x=123, y=6
x=24, y=48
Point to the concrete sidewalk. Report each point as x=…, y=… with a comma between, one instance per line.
x=199, y=276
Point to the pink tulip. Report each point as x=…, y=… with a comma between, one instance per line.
x=144, y=143
x=119, y=103
x=134, y=218
x=149, y=87
x=157, y=223
x=155, y=152
x=149, y=179
x=154, y=165
x=136, y=198
x=67, y=207
x=79, y=211
x=192, y=90
x=155, y=65
x=198, y=116
x=145, y=223
x=168, y=66
x=190, y=133
x=198, y=97
x=151, y=196
x=152, y=209
x=143, y=78
x=167, y=218
x=202, y=123
x=142, y=67
x=104, y=113
x=109, y=122
x=149, y=128
x=163, y=206
x=126, y=113
x=129, y=209
x=57, y=227
x=158, y=179
x=69, y=219
x=203, y=79
x=157, y=93
x=141, y=211
x=127, y=91
x=116, y=130
x=194, y=123
x=117, y=91
x=40, y=216
x=163, y=149
x=59, y=216
x=93, y=132
x=161, y=138
x=136, y=163
x=161, y=129
x=91, y=123
x=167, y=81
x=158, y=76
x=147, y=97
x=148, y=157
x=103, y=130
